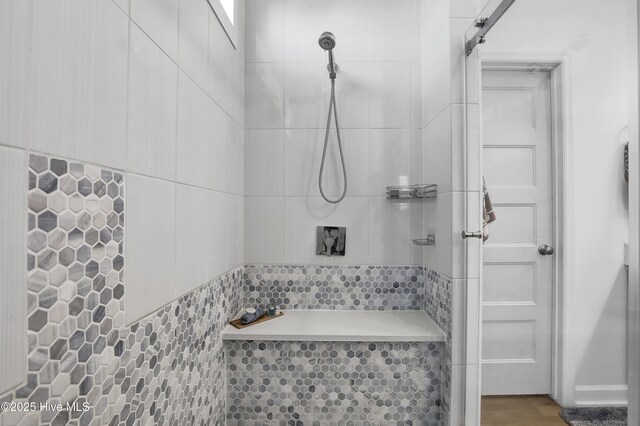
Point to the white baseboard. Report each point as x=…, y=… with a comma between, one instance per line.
x=602, y=396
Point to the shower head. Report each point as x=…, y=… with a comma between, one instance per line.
x=327, y=40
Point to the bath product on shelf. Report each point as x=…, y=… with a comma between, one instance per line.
x=271, y=311
x=251, y=314
x=277, y=312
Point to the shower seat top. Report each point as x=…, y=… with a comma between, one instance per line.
x=342, y=326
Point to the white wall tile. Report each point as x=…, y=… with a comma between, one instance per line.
x=416, y=95
x=458, y=225
x=434, y=18
x=15, y=91
x=389, y=159
x=159, y=20
x=232, y=229
x=225, y=74
x=352, y=95
x=264, y=163
x=265, y=31
x=458, y=319
x=349, y=22
x=456, y=405
x=264, y=230
x=303, y=153
x=436, y=76
x=264, y=95
x=472, y=398
x=474, y=148
x=306, y=95
x=150, y=247
x=464, y=8
x=416, y=30
x=437, y=152
x=193, y=39
x=465, y=324
x=304, y=21
x=437, y=219
x=390, y=30
x=210, y=151
x=389, y=232
x=389, y=94
x=195, y=133
x=416, y=174
x=417, y=231
x=203, y=250
x=153, y=92
x=356, y=147
x=13, y=285
x=80, y=69
x=122, y=4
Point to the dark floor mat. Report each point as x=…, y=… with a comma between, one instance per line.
x=604, y=416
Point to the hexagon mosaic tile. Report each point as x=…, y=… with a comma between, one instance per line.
x=439, y=306
x=324, y=383
x=335, y=287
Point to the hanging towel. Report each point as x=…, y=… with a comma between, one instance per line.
x=488, y=215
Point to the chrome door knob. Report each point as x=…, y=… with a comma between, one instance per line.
x=546, y=250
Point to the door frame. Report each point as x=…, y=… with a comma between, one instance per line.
x=563, y=367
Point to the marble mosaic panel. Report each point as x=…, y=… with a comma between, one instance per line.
x=335, y=287
x=168, y=368
x=316, y=383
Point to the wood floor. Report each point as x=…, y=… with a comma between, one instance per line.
x=536, y=410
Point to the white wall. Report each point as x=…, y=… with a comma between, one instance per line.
x=151, y=87
x=379, y=105
x=594, y=34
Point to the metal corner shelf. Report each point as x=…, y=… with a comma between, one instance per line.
x=429, y=241
x=420, y=191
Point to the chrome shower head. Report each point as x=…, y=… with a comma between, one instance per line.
x=327, y=40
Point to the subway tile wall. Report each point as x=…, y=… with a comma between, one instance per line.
x=379, y=107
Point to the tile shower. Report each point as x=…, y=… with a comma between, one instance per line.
x=136, y=260
x=172, y=366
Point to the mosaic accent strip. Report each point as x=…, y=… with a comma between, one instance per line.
x=335, y=287
x=323, y=383
x=166, y=369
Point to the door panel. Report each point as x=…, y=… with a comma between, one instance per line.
x=517, y=283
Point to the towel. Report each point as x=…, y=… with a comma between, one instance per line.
x=488, y=215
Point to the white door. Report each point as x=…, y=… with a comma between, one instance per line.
x=517, y=280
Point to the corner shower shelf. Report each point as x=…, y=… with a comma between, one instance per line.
x=343, y=326
x=429, y=241
x=412, y=191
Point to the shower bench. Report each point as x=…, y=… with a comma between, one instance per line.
x=328, y=366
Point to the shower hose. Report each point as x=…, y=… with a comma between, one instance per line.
x=332, y=108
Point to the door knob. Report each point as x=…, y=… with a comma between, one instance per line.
x=466, y=234
x=546, y=250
